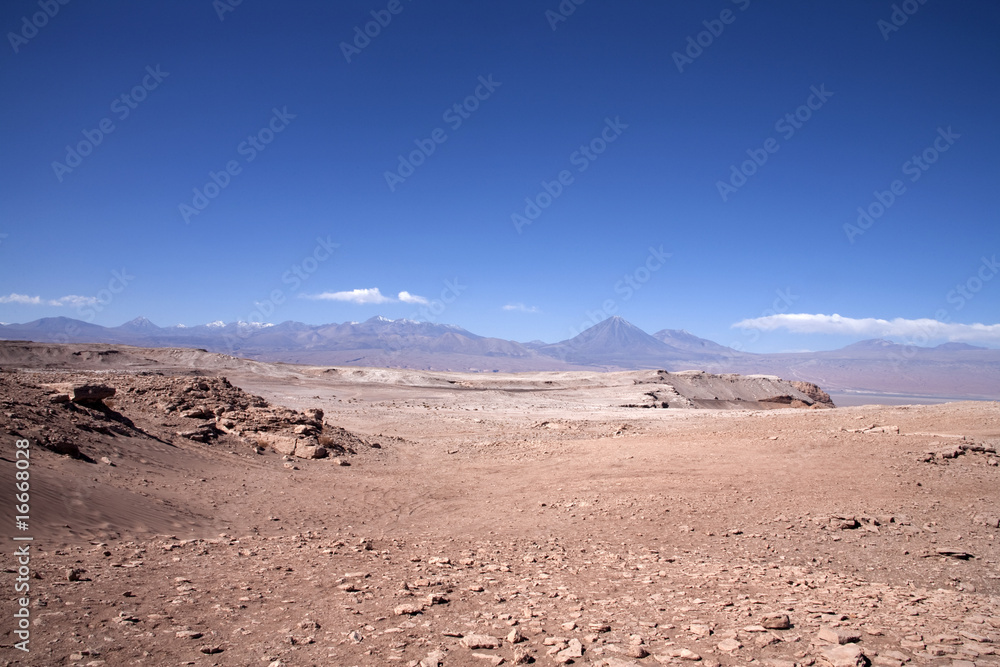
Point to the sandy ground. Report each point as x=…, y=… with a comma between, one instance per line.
x=491, y=521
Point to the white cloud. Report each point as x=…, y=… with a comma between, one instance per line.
x=406, y=297
x=521, y=308
x=21, y=298
x=365, y=296
x=805, y=323
x=70, y=300
x=359, y=296
x=74, y=300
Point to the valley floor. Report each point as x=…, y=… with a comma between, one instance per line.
x=488, y=525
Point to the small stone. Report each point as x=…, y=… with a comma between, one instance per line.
x=486, y=657
x=515, y=637
x=699, y=630
x=355, y=637
x=776, y=622
x=211, y=650
x=433, y=659
x=636, y=651
x=729, y=645
x=574, y=649
x=846, y=655
x=839, y=635
x=886, y=661
x=188, y=634
x=75, y=574
x=408, y=609
x=480, y=641
x=521, y=657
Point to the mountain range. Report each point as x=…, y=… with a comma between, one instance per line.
x=954, y=370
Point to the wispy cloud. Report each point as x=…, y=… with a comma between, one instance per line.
x=369, y=295
x=69, y=300
x=21, y=298
x=805, y=323
x=74, y=300
x=521, y=308
x=406, y=297
x=359, y=296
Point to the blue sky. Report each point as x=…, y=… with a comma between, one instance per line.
x=612, y=119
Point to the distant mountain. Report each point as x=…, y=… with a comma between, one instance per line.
x=687, y=341
x=614, y=341
x=139, y=324
x=958, y=346
x=951, y=369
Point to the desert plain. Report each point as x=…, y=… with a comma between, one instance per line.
x=218, y=511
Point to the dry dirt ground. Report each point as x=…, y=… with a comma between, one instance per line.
x=489, y=520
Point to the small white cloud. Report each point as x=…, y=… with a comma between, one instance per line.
x=521, y=308
x=805, y=323
x=406, y=297
x=21, y=298
x=74, y=300
x=70, y=300
x=359, y=296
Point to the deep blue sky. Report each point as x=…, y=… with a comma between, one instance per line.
x=323, y=176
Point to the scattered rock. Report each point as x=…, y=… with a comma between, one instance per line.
x=846, y=655
x=776, y=622
x=480, y=641
x=729, y=645
x=839, y=635
x=408, y=609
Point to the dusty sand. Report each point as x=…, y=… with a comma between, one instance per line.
x=542, y=516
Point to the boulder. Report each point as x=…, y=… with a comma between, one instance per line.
x=308, y=449
x=283, y=444
x=91, y=393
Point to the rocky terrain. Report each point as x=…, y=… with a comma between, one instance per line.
x=546, y=518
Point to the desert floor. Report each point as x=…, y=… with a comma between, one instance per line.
x=482, y=524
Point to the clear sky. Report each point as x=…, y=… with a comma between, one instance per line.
x=693, y=165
